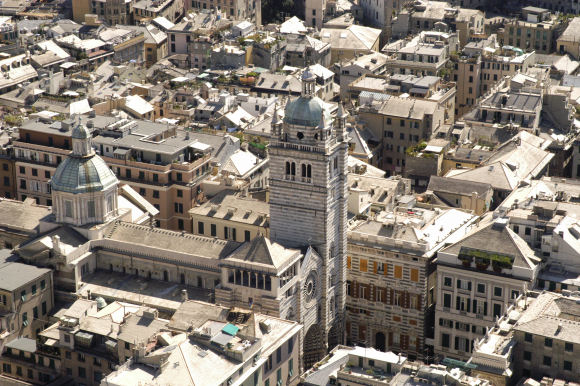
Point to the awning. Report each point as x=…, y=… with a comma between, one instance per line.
x=200, y=146
x=433, y=148
x=50, y=342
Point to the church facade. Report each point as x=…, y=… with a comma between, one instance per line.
x=298, y=273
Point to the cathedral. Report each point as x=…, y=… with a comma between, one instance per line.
x=101, y=229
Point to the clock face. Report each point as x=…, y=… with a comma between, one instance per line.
x=310, y=288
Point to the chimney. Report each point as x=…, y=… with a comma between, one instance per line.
x=184, y=296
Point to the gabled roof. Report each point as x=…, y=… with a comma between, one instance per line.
x=491, y=237
x=262, y=251
x=456, y=186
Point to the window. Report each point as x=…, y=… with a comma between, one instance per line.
x=279, y=377
x=402, y=123
x=528, y=231
x=91, y=208
x=567, y=365
x=363, y=265
x=247, y=236
x=35, y=172
x=213, y=230
x=200, y=229
x=81, y=357
x=516, y=229
x=481, y=288
x=43, y=308
x=527, y=356
x=141, y=175
x=155, y=178
x=445, y=340
x=6, y=181
x=46, y=174
x=528, y=337
x=34, y=289
x=22, y=170
x=22, y=184
x=497, y=291
x=6, y=368
x=68, y=211
x=398, y=272
x=447, y=281
x=67, y=354
x=82, y=372
x=279, y=355
x=291, y=367
x=548, y=342
x=35, y=312
x=496, y=310
x=447, y=300
x=156, y=194
x=180, y=224
x=547, y=361
x=179, y=176
x=180, y=193
x=569, y=347
x=128, y=173
x=414, y=274
x=42, y=284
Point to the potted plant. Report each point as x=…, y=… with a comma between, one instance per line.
x=466, y=260
x=481, y=263
x=497, y=266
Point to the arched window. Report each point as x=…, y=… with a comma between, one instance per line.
x=287, y=167
x=303, y=170
x=309, y=171
x=293, y=171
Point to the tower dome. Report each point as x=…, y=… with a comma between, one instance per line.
x=307, y=109
x=84, y=189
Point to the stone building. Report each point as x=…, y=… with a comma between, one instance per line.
x=477, y=278
x=391, y=278
x=26, y=298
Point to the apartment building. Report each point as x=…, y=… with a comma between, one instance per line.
x=112, y=12
x=538, y=339
x=92, y=337
x=232, y=9
x=390, y=276
x=26, y=298
x=165, y=169
x=164, y=165
x=480, y=67
x=230, y=346
x=537, y=30
x=147, y=10
x=231, y=217
x=304, y=50
x=194, y=37
x=23, y=359
x=567, y=42
x=477, y=278
x=19, y=221
x=7, y=174
x=349, y=71
x=349, y=43
x=400, y=123
x=314, y=12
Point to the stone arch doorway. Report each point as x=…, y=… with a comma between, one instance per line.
x=380, y=341
x=335, y=336
x=314, y=349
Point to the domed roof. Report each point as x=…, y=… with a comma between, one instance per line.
x=306, y=111
x=83, y=175
x=80, y=132
x=101, y=303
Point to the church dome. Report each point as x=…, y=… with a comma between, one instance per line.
x=83, y=171
x=305, y=111
x=83, y=175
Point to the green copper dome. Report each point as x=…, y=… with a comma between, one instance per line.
x=305, y=111
x=83, y=175
x=80, y=132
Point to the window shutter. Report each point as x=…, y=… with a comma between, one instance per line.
x=458, y=283
x=457, y=301
x=469, y=285
x=385, y=269
x=485, y=308
x=390, y=339
x=374, y=267
x=475, y=306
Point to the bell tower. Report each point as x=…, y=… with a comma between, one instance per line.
x=308, y=209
